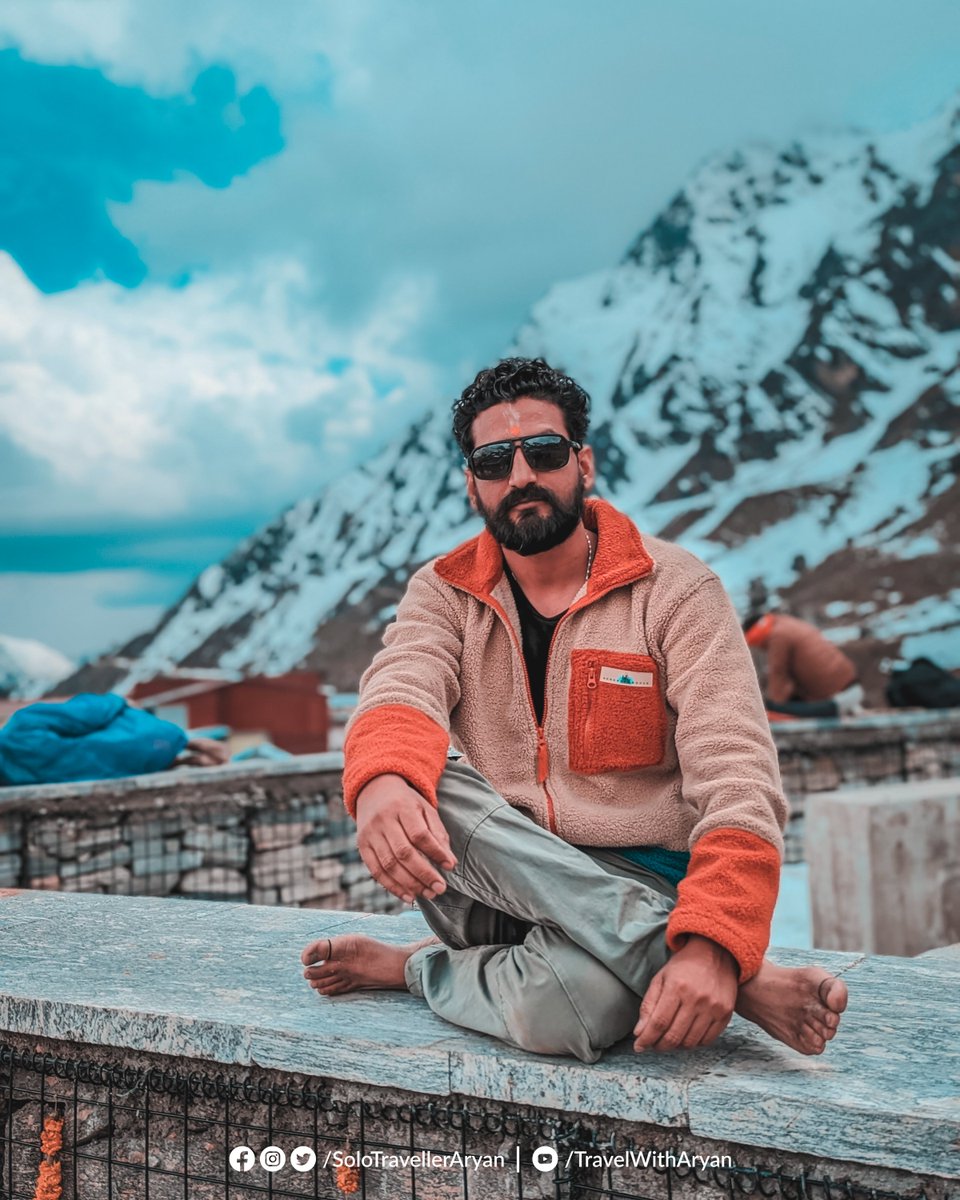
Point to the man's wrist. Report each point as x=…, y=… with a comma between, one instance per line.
x=379, y=786
x=697, y=946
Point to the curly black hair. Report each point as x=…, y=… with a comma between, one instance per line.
x=515, y=377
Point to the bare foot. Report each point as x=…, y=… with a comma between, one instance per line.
x=800, y=1006
x=353, y=961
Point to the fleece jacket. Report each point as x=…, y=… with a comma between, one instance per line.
x=653, y=731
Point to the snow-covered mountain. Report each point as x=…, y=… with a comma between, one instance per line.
x=29, y=668
x=775, y=374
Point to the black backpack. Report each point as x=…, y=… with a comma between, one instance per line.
x=923, y=685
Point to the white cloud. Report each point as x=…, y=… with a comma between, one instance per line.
x=164, y=401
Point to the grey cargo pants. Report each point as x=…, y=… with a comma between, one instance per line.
x=546, y=946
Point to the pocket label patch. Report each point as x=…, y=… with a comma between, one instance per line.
x=643, y=679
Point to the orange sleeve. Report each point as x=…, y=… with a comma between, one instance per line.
x=728, y=896
x=394, y=739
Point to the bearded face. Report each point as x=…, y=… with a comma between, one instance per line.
x=527, y=531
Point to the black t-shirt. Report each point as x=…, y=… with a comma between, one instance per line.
x=536, y=630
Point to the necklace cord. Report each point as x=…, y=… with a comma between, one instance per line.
x=586, y=578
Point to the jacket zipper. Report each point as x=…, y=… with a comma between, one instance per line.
x=543, y=754
x=591, y=687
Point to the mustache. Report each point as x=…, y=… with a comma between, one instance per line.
x=530, y=492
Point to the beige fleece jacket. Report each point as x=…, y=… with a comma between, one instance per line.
x=654, y=731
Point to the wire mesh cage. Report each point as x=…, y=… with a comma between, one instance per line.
x=99, y=1129
x=255, y=839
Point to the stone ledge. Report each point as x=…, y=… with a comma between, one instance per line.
x=222, y=983
x=880, y=795
x=905, y=720
x=177, y=778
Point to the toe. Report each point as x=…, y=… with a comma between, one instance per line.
x=323, y=974
x=317, y=951
x=832, y=994
x=332, y=987
x=812, y=1040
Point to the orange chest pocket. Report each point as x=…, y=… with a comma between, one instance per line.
x=616, y=715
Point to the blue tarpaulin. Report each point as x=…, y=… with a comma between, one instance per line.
x=86, y=737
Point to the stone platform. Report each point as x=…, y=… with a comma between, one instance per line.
x=222, y=984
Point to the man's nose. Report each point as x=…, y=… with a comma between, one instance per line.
x=521, y=473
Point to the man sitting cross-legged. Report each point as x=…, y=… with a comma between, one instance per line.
x=606, y=856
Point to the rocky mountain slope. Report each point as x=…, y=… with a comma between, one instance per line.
x=775, y=371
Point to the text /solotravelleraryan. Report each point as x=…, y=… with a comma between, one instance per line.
x=429, y=1159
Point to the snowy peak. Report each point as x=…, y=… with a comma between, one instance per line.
x=774, y=373
x=29, y=668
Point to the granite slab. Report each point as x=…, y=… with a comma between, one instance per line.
x=222, y=983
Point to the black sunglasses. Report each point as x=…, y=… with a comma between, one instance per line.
x=543, y=452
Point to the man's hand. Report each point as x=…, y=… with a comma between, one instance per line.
x=204, y=752
x=401, y=839
x=689, y=1001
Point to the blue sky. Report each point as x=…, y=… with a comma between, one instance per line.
x=243, y=244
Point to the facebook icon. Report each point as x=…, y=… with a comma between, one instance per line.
x=242, y=1158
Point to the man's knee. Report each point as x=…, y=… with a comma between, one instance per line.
x=548, y=1014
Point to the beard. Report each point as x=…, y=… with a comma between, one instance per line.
x=530, y=533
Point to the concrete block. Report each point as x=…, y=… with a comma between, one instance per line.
x=159, y=883
x=271, y=868
x=355, y=873
x=58, y=837
x=885, y=867
x=307, y=889
x=338, y=902
x=156, y=827
x=46, y=883
x=10, y=838
x=221, y=881
x=165, y=863
x=221, y=847
x=40, y=863
x=274, y=835
x=264, y=895
x=289, y=809
x=115, y=856
x=327, y=870
x=86, y=840
x=111, y=879
x=9, y=870
x=330, y=846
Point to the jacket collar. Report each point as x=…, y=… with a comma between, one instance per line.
x=476, y=566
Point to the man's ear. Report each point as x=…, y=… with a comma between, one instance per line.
x=588, y=468
x=471, y=488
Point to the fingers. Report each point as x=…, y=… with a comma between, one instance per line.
x=714, y=1031
x=432, y=838
x=398, y=882
x=403, y=842
x=672, y=1019
x=430, y=850
x=676, y=1032
x=657, y=1012
x=697, y=1032
x=399, y=863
